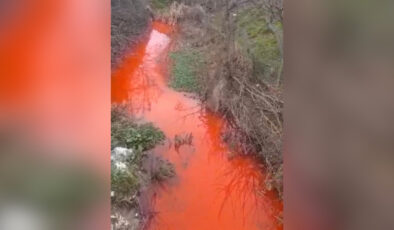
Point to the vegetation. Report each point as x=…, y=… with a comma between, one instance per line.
x=128, y=21
x=255, y=35
x=231, y=53
x=124, y=182
x=161, y=4
x=161, y=170
x=242, y=78
x=125, y=132
x=132, y=167
x=184, y=71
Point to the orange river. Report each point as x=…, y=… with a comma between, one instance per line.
x=210, y=191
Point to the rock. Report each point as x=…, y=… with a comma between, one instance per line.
x=125, y=220
x=120, y=154
x=120, y=166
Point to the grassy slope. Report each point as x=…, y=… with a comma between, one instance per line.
x=255, y=36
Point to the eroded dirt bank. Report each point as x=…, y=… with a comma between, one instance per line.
x=210, y=191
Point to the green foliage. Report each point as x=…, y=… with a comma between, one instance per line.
x=184, y=71
x=161, y=4
x=124, y=182
x=255, y=36
x=127, y=133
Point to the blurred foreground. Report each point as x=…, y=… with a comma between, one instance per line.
x=54, y=115
x=338, y=154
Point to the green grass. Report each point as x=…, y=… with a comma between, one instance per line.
x=254, y=35
x=161, y=4
x=127, y=133
x=184, y=70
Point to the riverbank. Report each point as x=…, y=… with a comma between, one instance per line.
x=230, y=56
x=129, y=22
x=135, y=169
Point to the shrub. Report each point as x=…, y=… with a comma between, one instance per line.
x=124, y=182
x=129, y=143
x=125, y=132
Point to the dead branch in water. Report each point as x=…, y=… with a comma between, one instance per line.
x=183, y=139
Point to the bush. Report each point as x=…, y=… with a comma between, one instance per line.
x=129, y=168
x=124, y=182
x=125, y=132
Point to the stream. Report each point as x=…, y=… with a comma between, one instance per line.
x=210, y=191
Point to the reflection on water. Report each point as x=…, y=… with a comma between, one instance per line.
x=137, y=82
x=210, y=192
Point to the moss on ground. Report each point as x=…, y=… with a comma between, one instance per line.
x=184, y=70
x=161, y=4
x=255, y=36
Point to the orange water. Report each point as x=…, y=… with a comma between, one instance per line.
x=210, y=192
